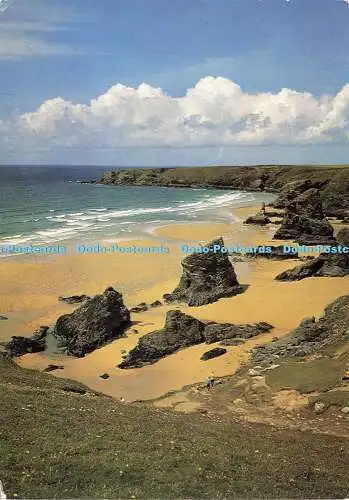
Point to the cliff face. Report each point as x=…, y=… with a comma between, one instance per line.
x=333, y=181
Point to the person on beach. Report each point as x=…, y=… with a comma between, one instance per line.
x=210, y=382
x=263, y=208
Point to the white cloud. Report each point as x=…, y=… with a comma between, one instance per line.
x=215, y=112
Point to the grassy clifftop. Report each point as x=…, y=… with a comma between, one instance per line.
x=60, y=440
x=332, y=180
x=271, y=178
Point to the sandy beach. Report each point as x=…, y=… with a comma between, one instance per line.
x=30, y=288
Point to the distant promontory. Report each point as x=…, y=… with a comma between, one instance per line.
x=287, y=180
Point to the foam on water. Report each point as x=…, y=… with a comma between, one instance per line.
x=132, y=210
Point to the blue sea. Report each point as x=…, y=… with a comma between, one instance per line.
x=46, y=204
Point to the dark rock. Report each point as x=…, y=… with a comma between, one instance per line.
x=73, y=299
x=52, y=368
x=291, y=190
x=326, y=264
x=104, y=376
x=277, y=252
x=213, y=353
x=335, y=195
x=215, y=332
x=18, y=346
x=206, y=278
x=345, y=220
x=157, y=303
x=3, y=318
x=232, y=342
x=311, y=335
x=259, y=219
x=180, y=330
x=74, y=388
x=270, y=213
x=305, y=222
x=99, y=320
x=139, y=308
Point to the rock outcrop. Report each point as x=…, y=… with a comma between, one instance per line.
x=259, y=219
x=206, y=278
x=304, y=221
x=73, y=299
x=143, y=306
x=99, y=320
x=213, y=353
x=310, y=336
x=18, y=346
x=277, y=253
x=289, y=181
x=215, y=332
x=326, y=264
x=293, y=189
x=181, y=330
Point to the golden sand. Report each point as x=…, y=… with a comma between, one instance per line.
x=30, y=288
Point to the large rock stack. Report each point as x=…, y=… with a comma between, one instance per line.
x=99, y=320
x=206, y=278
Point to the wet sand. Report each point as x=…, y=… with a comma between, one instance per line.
x=30, y=288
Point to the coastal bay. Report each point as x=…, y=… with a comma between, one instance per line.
x=145, y=278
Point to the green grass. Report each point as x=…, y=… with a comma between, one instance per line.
x=332, y=398
x=320, y=374
x=58, y=444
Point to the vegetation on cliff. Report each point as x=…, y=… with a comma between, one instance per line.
x=59, y=440
x=333, y=180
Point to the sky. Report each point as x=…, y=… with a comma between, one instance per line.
x=174, y=82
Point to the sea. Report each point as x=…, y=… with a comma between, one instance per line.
x=49, y=205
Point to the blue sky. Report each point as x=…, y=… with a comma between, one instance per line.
x=78, y=50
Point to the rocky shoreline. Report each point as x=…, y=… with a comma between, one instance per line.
x=289, y=181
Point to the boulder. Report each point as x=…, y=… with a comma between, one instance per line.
x=18, y=346
x=156, y=303
x=73, y=299
x=99, y=320
x=310, y=336
x=215, y=332
x=213, y=353
x=104, y=376
x=180, y=330
x=51, y=368
x=259, y=219
x=304, y=221
x=326, y=264
x=139, y=308
x=206, y=278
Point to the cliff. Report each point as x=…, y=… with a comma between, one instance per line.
x=333, y=181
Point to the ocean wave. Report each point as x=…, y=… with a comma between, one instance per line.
x=92, y=220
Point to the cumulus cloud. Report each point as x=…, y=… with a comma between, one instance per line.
x=215, y=112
